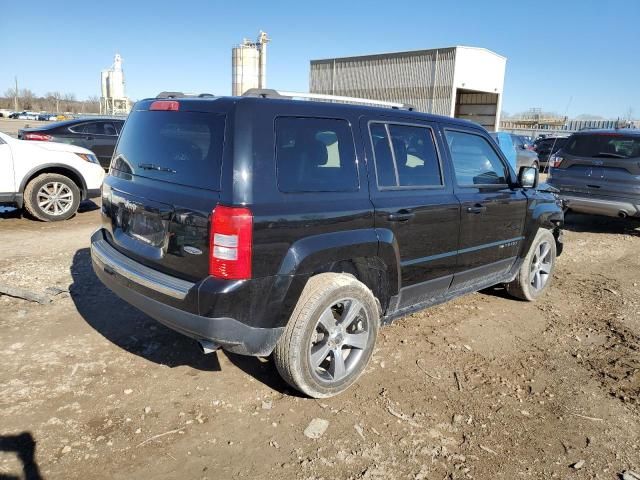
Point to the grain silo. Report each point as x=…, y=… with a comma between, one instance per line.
x=113, y=100
x=249, y=65
x=461, y=82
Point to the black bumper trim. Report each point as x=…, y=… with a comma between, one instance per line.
x=231, y=334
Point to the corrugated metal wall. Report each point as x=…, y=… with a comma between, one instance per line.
x=422, y=78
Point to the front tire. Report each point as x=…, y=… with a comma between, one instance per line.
x=51, y=197
x=330, y=337
x=536, y=271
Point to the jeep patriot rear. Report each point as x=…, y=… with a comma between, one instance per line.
x=271, y=225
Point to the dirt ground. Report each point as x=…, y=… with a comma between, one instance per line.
x=483, y=387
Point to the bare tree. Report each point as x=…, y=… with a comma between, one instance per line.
x=54, y=100
x=27, y=98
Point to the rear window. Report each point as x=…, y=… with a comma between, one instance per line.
x=176, y=147
x=315, y=155
x=604, y=146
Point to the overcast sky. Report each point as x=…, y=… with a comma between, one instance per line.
x=583, y=55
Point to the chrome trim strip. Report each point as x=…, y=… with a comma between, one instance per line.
x=438, y=256
x=111, y=259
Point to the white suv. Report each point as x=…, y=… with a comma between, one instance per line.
x=48, y=179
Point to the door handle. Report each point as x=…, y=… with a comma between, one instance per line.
x=401, y=216
x=476, y=209
x=89, y=137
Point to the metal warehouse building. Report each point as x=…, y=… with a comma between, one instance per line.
x=461, y=82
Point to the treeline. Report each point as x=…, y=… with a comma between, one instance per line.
x=54, y=102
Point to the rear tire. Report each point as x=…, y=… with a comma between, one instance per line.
x=51, y=197
x=536, y=272
x=330, y=337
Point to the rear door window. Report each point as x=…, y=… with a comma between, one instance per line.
x=177, y=147
x=604, y=146
x=474, y=160
x=315, y=155
x=405, y=155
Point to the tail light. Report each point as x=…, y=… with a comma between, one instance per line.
x=230, y=243
x=42, y=137
x=555, y=161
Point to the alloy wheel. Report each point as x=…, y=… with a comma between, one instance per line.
x=340, y=337
x=541, y=264
x=55, y=198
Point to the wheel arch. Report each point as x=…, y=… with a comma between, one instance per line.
x=60, y=169
x=544, y=214
x=366, y=254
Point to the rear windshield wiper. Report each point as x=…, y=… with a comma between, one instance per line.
x=153, y=166
x=609, y=155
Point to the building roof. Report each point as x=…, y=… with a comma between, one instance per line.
x=406, y=53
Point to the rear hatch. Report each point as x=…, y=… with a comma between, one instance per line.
x=602, y=164
x=163, y=184
x=547, y=146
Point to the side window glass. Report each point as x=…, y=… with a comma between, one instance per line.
x=95, y=128
x=415, y=155
x=474, y=161
x=407, y=157
x=110, y=129
x=78, y=128
x=385, y=168
x=315, y=155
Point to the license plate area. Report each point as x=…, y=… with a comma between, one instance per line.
x=146, y=227
x=140, y=225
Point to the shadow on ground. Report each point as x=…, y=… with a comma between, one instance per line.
x=24, y=446
x=87, y=206
x=139, y=334
x=578, y=222
x=126, y=326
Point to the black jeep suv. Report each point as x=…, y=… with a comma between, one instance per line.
x=272, y=225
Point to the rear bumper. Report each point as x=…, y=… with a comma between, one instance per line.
x=128, y=280
x=613, y=207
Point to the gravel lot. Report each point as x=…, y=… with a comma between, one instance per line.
x=483, y=387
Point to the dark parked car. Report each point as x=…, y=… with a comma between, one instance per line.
x=271, y=225
x=96, y=134
x=547, y=146
x=598, y=172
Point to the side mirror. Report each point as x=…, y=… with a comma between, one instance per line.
x=528, y=177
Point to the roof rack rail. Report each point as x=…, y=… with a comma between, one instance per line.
x=183, y=95
x=271, y=93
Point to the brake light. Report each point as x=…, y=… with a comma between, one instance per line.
x=555, y=161
x=166, y=105
x=230, y=243
x=41, y=137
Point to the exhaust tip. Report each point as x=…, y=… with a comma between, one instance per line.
x=207, y=346
x=622, y=214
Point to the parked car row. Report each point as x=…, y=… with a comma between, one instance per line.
x=267, y=235
x=42, y=116
x=96, y=134
x=516, y=149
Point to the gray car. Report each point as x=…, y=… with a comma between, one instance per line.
x=598, y=172
x=526, y=157
x=515, y=145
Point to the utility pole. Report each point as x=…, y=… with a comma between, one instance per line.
x=15, y=95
